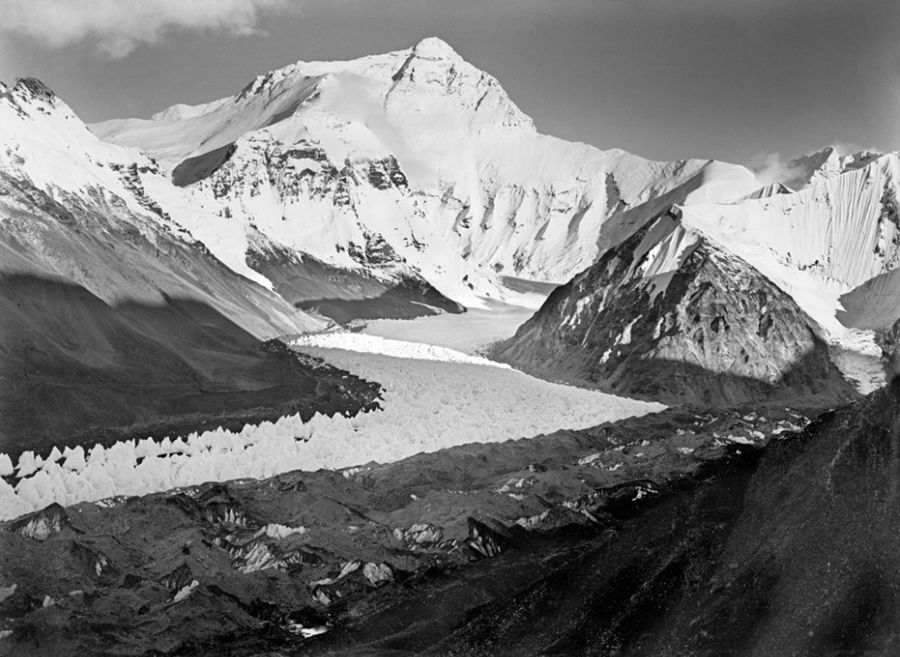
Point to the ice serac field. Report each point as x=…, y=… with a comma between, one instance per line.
x=433, y=397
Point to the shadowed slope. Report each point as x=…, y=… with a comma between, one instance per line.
x=343, y=295
x=76, y=368
x=797, y=554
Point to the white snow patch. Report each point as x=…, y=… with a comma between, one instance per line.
x=372, y=344
x=625, y=338
x=274, y=530
x=377, y=573
x=348, y=568
x=468, y=332
x=185, y=591
x=533, y=521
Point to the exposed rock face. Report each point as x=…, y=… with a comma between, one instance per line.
x=834, y=245
x=42, y=524
x=670, y=316
x=344, y=294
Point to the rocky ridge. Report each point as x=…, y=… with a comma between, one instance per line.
x=671, y=316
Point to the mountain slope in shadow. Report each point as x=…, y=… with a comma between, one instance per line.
x=343, y=295
x=791, y=552
x=74, y=367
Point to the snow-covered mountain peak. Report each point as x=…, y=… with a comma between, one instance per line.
x=435, y=48
x=32, y=90
x=47, y=143
x=833, y=245
x=419, y=150
x=29, y=97
x=803, y=171
x=831, y=161
x=422, y=92
x=722, y=181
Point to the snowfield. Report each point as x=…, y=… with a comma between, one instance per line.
x=433, y=398
x=469, y=332
x=373, y=344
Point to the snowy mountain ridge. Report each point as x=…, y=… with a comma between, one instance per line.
x=409, y=182
x=45, y=143
x=700, y=288
x=669, y=315
x=810, y=168
x=823, y=242
x=417, y=149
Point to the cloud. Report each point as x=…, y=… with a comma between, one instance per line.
x=772, y=168
x=117, y=27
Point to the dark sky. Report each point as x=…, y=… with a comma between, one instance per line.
x=729, y=79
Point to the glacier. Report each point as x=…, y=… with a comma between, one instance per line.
x=449, y=398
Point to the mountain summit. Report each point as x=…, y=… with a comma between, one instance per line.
x=414, y=154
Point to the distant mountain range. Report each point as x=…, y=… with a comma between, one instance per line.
x=409, y=183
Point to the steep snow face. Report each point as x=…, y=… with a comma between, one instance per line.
x=670, y=316
x=818, y=166
x=45, y=144
x=828, y=240
x=417, y=149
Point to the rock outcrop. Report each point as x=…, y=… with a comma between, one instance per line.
x=670, y=316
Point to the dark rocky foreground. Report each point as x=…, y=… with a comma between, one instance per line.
x=661, y=535
x=790, y=552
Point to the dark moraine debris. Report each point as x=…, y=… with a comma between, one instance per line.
x=605, y=541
